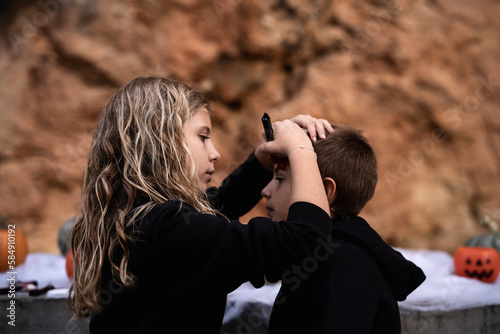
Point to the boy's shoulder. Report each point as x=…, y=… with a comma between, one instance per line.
x=353, y=234
x=350, y=225
x=357, y=231
x=355, y=237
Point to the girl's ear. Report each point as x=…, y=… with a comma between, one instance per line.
x=330, y=188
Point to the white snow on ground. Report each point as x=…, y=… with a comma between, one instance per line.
x=45, y=268
x=441, y=291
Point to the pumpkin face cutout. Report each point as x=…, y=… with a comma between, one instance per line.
x=482, y=263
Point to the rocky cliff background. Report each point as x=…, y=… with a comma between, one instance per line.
x=421, y=78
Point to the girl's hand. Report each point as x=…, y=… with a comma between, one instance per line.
x=316, y=128
x=287, y=136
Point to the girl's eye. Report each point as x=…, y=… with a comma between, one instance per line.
x=203, y=138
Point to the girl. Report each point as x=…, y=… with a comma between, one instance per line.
x=152, y=246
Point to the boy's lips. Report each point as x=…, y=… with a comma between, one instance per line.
x=269, y=211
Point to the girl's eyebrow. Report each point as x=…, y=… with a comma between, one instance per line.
x=206, y=129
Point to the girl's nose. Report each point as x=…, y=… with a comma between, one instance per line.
x=214, y=155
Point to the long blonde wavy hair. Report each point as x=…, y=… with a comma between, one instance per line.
x=137, y=159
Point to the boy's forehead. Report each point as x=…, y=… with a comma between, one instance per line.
x=281, y=164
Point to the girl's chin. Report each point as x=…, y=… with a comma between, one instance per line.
x=203, y=186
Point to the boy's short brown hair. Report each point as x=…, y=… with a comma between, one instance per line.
x=347, y=157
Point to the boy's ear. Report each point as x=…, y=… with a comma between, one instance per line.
x=330, y=188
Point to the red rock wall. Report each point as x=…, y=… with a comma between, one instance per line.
x=421, y=78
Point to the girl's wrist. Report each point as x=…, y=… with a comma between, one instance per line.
x=302, y=148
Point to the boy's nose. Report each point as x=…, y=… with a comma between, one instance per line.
x=265, y=192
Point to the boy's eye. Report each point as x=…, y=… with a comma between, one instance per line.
x=278, y=179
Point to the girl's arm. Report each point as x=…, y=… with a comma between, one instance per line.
x=241, y=190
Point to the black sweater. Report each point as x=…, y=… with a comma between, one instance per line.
x=186, y=262
x=351, y=285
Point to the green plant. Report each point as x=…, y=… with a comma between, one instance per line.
x=491, y=239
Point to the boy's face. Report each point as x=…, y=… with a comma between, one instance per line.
x=278, y=192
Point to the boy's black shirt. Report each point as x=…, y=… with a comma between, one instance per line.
x=185, y=262
x=353, y=290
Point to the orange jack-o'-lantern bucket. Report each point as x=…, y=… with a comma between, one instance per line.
x=482, y=263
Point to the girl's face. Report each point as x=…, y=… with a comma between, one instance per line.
x=278, y=193
x=198, y=132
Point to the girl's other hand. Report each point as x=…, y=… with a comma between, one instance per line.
x=315, y=127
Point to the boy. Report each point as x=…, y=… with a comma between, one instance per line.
x=353, y=283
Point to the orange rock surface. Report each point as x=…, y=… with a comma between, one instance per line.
x=421, y=78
